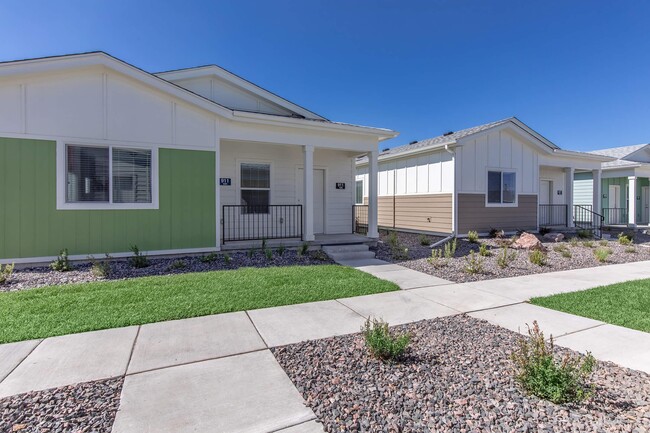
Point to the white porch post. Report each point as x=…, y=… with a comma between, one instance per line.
x=597, y=193
x=631, y=199
x=217, y=193
x=308, y=193
x=373, y=174
x=569, y=175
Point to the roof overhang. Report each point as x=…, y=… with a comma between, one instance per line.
x=584, y=155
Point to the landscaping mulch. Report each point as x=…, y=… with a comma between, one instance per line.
x=28, y=278
x=85, y=407
x=456, y=377
x=455, y=269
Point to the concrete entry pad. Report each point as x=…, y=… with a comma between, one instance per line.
x=70, y=359
x=462, y=297
x=295, y=323
x=624, y=346
x=397, y=308
x=551, y=322
x=243, y=393
x=189, y=340
x=409, y=279
x=12, y=354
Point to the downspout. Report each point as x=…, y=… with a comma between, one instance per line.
x=454, y=197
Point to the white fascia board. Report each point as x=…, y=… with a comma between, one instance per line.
x=584, y=155
x=534, y=133
x=422, y=150
x=203, y=71
x=269, y=119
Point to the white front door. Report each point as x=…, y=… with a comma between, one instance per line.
x=545, y=192
x=319, y=197
x=645, y=201
x=614, y=197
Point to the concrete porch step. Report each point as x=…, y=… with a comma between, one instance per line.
x=349, y=252
x=344, y=248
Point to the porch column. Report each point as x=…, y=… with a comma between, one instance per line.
x=597, y=192
x=569, y=175
x=217, y=193
x=308, y=193
x=631, y=199
x=373, y=174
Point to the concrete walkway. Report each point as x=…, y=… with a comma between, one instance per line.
x=216, y=373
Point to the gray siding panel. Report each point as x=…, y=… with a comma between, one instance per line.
x=474, y=215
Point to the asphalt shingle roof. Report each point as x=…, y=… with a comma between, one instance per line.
x=621, y=153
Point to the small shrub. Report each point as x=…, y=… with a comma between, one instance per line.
x=400, y=253
x=393, y=240
x=585, y=234
x=537, y=257
x=209, y=258
x=505, y=257
x=268, y=253
x=603, y=243
x=472, y=236
x=177, y=265
x=450, y=249
x=497, y=233
x=263, y=244
x=437, y=259
x=101, y=268
x=381, y=343
x=281, y=249
x=319, y=255
x=302, y=250
x=6, y=271
x=625, y=238
x=473, y=263
x=227, y=259
x=588, y=244
x=544, y=230
x=424, y=240
x=483, y=251
x=630, y=250
x=540, y=374
x=250, y=253
x=138, y=260
x=62, y=263
x=602, y=254
x=563, y=250
x=573, y=241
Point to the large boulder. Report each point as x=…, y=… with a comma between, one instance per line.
x=553, y=237
x=528, y=241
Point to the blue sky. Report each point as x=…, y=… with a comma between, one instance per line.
x=578, y=72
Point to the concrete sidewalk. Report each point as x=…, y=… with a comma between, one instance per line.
x=231, y=381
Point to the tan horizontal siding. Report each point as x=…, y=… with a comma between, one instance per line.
x=430, y=212
x=474, y=215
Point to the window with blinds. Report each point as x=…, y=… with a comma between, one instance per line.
x=255, y=187
x=90, y=171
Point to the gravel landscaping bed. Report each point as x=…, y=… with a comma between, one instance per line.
x=456, y=377
x=121, y=268
x=85, y=407
x=455, y=268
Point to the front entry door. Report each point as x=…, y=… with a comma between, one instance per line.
x=545, y=215
x=645, y=201
x=319, y=197
x=614, y=197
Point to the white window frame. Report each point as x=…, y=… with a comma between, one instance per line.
x=487, y=191
x=239, y=163
x=363, y=195
x=61, y=176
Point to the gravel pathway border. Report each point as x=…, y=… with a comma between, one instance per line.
x=456, y=377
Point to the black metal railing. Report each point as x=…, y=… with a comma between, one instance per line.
x=585, y=218
x=244, y=222
x=553, y=215
x=360, y=219
x=615, y=215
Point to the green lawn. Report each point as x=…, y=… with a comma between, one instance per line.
x=625, y=304
x=67, y=309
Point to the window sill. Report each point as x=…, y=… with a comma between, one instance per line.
x=107, y=206
x=501, y=204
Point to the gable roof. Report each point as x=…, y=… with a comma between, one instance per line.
x=100, y=58
x=621, y=154
x=240, y=82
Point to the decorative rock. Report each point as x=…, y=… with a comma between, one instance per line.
x=528, y=241
x=553, y=237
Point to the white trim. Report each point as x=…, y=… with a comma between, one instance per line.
x=62, y=204
x=86, y=257
x=239, y=162
x=487, y=191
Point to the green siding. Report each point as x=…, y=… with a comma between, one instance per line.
x=30, y=225
x=583, y=189
x=623, y=182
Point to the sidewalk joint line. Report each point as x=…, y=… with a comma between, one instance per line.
x=128, y=364
x=351, y=309
x=580, y=330
x=294, y=424
x=181, y=364
x=266, y=344
x=22, y=360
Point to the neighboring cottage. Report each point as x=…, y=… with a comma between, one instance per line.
x=97, y=155
x=501, y=175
